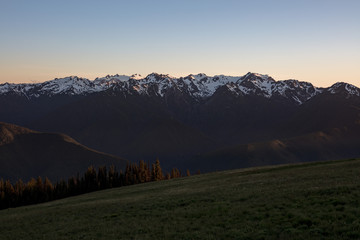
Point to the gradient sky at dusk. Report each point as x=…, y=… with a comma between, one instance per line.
x=309, y=40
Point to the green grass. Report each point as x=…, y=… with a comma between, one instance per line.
x=304, y=201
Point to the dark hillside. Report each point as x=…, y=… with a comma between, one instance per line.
x=25, y=153
x=331, y=145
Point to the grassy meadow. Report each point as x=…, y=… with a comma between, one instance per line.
x=303, y=201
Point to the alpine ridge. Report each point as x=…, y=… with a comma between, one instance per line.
x=198, y=86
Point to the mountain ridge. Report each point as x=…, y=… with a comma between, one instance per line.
x=199, y=86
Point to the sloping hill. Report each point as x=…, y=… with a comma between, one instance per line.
x=305, y=201
x=330, y=145
x=25, y=153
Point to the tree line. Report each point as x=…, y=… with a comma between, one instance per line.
x=42, y=190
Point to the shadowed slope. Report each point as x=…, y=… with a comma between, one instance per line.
x=331, y=145
x=25, y=153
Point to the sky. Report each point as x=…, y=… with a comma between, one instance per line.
x=309, y=40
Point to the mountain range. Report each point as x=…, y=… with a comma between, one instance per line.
x=198, y=86
x=197, y=121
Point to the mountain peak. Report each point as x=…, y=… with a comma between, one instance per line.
x=254, y=76
x=136, y=76
x=156, y=77
x=198, y=76
x=344, y=88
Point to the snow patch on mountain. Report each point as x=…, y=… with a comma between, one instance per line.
x=346, y=88
x=72, y=85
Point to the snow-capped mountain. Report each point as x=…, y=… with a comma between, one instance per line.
x=198, y=86
x=72, y=85
x=178, y=118
x=344, y=88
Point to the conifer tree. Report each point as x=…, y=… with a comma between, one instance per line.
x=9, y=194
x=135, y=173
x=142, y=171
x=90, y=179
x=19, y=191
x=128, y=178
x=148, y=172
x=167, y=176
x=121, y=179
x=175, y=173
x=153, y=172
x=73, y=188
x=30, y=192
x=40, y=193
x=48, y=189
x=113, y=176
x=102, y=177
x=61, y=189
x=158, y=171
